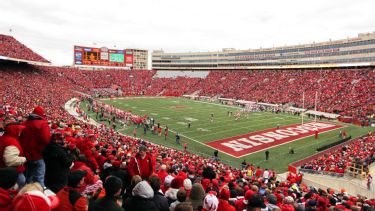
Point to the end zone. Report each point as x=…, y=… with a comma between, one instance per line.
x=245, y=144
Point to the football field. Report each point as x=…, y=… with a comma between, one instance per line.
x=244, y=139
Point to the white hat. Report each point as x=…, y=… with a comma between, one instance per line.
x=210, y=202
x=168, y=179
x=187, y=184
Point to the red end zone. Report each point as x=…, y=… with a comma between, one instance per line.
x=256, y=141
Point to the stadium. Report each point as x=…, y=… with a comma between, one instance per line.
x=283, y=128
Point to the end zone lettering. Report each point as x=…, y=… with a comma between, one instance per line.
x=248, y=143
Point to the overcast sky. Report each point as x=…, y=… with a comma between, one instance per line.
x=52, y=27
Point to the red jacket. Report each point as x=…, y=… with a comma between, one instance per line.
x=100, y=161
x=143, y=167
x=65, y=204
x=10, y=138
x=6, y=198
x=90, y=177
x=225, y=206
x=240, y=205
x=35, y=137
x=162, y=174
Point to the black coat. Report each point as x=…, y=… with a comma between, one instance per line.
x=161, y=201
x=123, y=174
x=58, y=162
x=106, y=204
x=137, y=204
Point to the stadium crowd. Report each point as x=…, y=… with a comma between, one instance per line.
x=10, y=47
x=44, y=151
x=358, y=153
x=348, y=92
x=171, y=86
x=98, y=169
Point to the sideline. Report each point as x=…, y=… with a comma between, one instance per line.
x=70, y=108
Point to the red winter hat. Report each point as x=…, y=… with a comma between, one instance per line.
x=116, y=164
x=224, y=194
x=72, y=146
x=111, y=157
x=88, y=153
x=177, y=182
x=215, y=182
x=39, y=111
x=248, y=195
x=246, y=188
x=35, y=201
x=205, y=183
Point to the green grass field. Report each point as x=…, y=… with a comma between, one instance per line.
x=177, y=112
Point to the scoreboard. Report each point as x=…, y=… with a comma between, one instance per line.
x=102, y=57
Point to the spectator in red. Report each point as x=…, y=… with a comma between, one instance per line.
x=34, y=138
x=162, y=173
x=70, y=198
x=142, y=164
x=258, y=172
x=223, y=201
x=165, y=134
x=31, y=197
x=241, y=203
x=316, y=133
x=11, y=153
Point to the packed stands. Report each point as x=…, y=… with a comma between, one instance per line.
x=359, y=152
x=346, y=91
x=94, y=153
x=10, y=47
x=171, y=86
